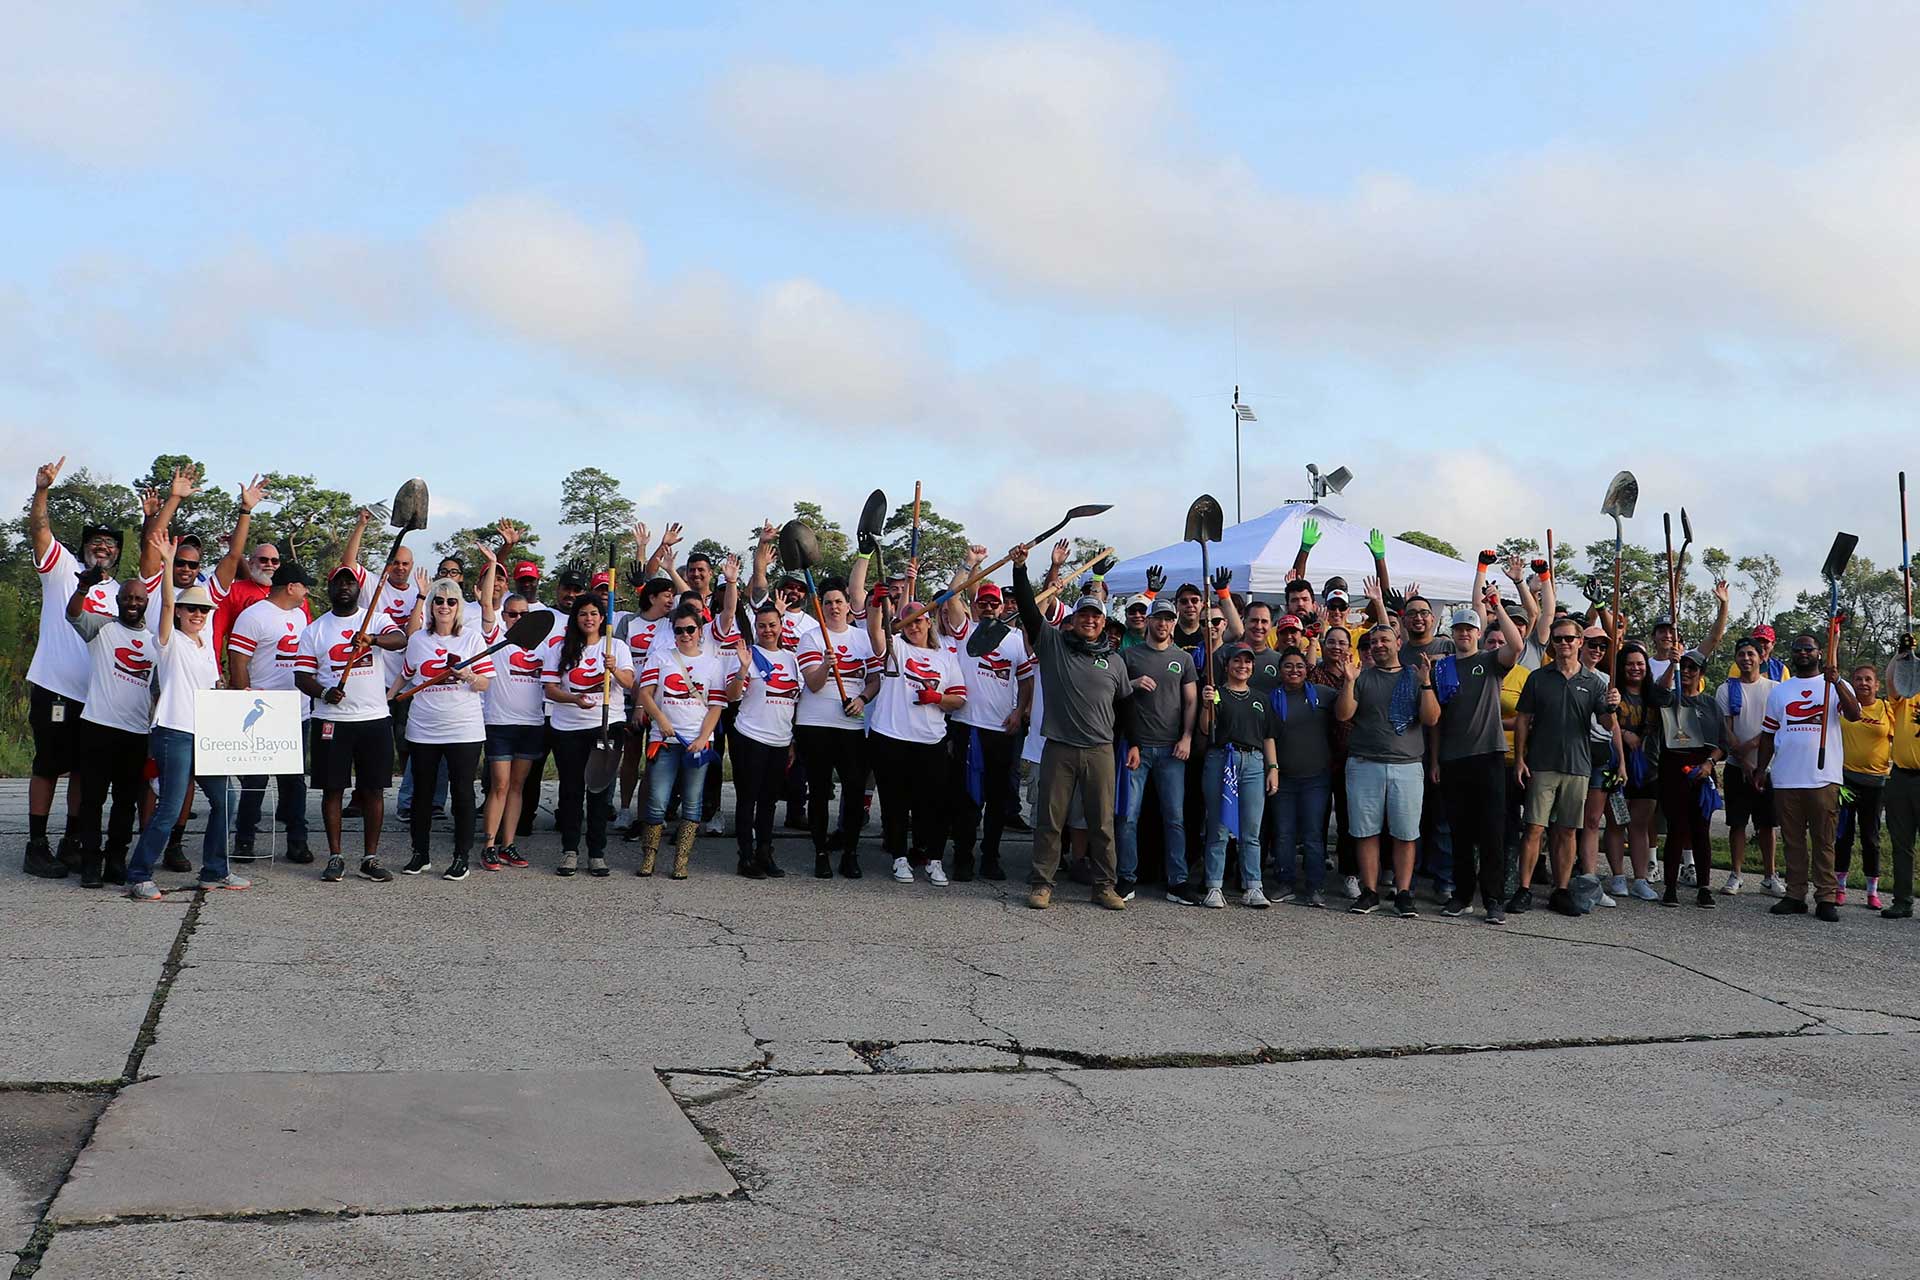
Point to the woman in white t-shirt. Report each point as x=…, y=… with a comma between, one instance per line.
x=682, y=689
x=829, y=732
x=575, y=668
x=769, y=679
x=184, y=663
x=446, y=724
x=516, y=718
x=920, y=682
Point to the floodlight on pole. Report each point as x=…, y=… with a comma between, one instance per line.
x=1334, y=481
x=1241, y=413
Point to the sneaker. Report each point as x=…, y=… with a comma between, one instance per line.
x=822, y=867
x=1704, y=898
x=1617, y=886
x=511, y=856
x=1873, y=902
x=145, y=891
x=1560, y=901
x=1107, y=900
x=299, y=853
x=1732, y=886
x=1645, y=891
x=1182, y=896
x=936, y=873
x=1455, y=906
x=1788, y=907
x=1827, y=911
x=903, y=871
x=490, y=859
x=1040, y=897
x=404, y=815
x=1214, y=900
x=1310, y=898
x=1840, y=897
x=1255, y=897
x=1521, y=902
x=1688, y=876
x=1671, y=898
x=714, y=827
x=1898, y=911
x=416, y=864
x=1608, y=900
x=457, y=869
x=569, y=862
x=1350, y=887
x=370, y=869
x=1496, y=914
x=1403, y=905
x=596, y=866
x=1775, y=886
x=439, y=811
x=1365, y=903
x=228, y=881
x=1126, y=889
x=336, y=869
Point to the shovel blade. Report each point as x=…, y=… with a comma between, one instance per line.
x=1686, y=526
x=799, y=545
x=1088, y=509
x=603, y=766
x=1203, y=520
x=1622, y=494
x=410, y=506
x=536, y=626
x=1842, y=551
x=873, y=516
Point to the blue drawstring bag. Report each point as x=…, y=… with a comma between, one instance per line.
x=1710, y=799
x=1446, y=679
x=1638, y=770
x=1230, y=792
x=976, y=768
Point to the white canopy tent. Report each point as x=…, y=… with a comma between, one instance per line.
x=1260, y=552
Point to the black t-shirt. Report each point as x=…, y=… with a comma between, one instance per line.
x=1301, y=737
x=1241, y=719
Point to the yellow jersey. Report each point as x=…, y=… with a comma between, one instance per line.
x=1906, y=739
x=1510, y=686
x=1869, y=740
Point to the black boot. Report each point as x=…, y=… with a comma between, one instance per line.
x=990, y=866
x=768, y=867
x=850, y=865
x=114, y=870
x=749, y=867
x=175, y=858
x=822, y=866
x=70, y=853
x=90, y=869
x=963, y=865
x=40, y=861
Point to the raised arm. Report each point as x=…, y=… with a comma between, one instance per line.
x=185, y=483
x=758, y=587
x=1309, y=537
x=1223, y=592
x=488, y=614
x=38, y=527
x=1030, y=618
x=1720, y=617
x=953, y=614
x=229, y=567
x=351, y=555
x=166, y=546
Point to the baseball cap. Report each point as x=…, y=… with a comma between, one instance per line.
x=1235, y=650
x=1763, y=632
x=1290, y=620
x=1163, y=608
x=1139, y=601
x=791, y=577
x=1090, y=601
x=526, y=569
x=571, y=578
x=601, y=579
x=1336, y=596
x=291, y=572
x=1664, y=620
x=987, y=591
x=898, y=574
x=189, y=540
x=1694, y=656
x=1464, y=617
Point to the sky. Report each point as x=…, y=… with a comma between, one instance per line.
x=1483, y=254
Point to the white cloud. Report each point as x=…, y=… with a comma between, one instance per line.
x=84, y=83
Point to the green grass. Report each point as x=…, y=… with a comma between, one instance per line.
x=16, y=751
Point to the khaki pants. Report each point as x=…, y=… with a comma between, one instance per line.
x=1807, y=817
x=1091, y=769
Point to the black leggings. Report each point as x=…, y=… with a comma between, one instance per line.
x=998, y=750
x=462, y=760
x=1687, y=827
x=110, y=761
x=571, y=747
x=1863, y=812
x=839, y=754
x=912, y=777
x=759, y=776
x=1475, y=792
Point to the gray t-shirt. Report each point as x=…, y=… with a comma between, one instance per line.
x=1300, y=730
x=1562, y=708
x=1155, y=719
x=1437, y=647
x=1085, y=690
x=1373, y=736
x=1470, y=719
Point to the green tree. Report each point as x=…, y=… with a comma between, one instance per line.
x=462, y=541
x=836, y=551
x=1439, y=546
x=312, y=521
x=591, y=501
x=208, y=515
x=1874, y=607
x=943, y=542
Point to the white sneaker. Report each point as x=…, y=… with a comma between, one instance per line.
x=714, y=827
x=903, y=871
x=1351, y=888
x=1607, y=899
x=936, y=874
x=1687, y=875
x=1774, y=885
x=1645, y=891
x=1733, y=883
x=1214, y=899
x=145, y=891
x=1254, y=897
x=1617, y=886
x=230, y=881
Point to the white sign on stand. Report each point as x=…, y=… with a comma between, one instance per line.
x=246, y=732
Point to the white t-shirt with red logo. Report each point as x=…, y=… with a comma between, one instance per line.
x=768, y=699
x=397, y=604
x=269, y=638
x=585, y=676
x=642, y=634
x=797, y=627
x=517, y=692
x=897, y=713
x=60, y=656
x=1794, y=712
x=324, y=649
x=853, y=652
x=181, y=668
x=993, y=678
x=215, y=593
x=684, y=687
x=453, y=710
x=120, y=678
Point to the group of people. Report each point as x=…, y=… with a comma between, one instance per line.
x=1280, y=748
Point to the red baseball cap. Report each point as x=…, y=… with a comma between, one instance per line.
x=1290, y=620
x=1763, y=632
x=600, y=579
x=988, y=591
x=526, y=569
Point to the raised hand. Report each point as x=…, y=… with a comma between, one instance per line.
x=1061, y=550
x=671, y=536
x=149, y=502
x=1413, y=589
x=1103, y=566
x=166, y=546
x=1222, y=579
x=1377, y=544
x=420, y=581
x=186, y=483
x=44, y=477
x=731, y=568
x=509, y=534
x=1156, y=578
x=1720, y=591
x=768, y=534
x=486, y=553
x=976, y=555
x=1371, y=587
x=1310, y=535
x=252, y=494
x=1018, y=556
x=1488, y=559
x=1516, y=568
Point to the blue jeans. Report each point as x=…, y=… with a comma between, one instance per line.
x=1253, y=801
x=1170, y=785
x=405, y=799
x=662, y=770
x=172, y=751
x=1300, y=818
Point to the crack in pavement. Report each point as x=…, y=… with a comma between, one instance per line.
x=409, y=1211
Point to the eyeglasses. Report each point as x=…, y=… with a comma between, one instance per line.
x=514, y=613
x=1418, y=613
x=266, y=559
x=686, y=631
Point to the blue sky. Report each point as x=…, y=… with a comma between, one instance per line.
x=1484, y=254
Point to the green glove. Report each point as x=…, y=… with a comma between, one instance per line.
x=1376, y=544
x=1309, y=534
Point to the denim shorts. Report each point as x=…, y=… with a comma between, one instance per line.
x=516, y=742
x=1384, y=796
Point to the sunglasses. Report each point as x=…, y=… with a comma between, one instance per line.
x=1216, y=622
x=443, y=602
x=266, y=559
x=686, y=631
x=1596, y=644
x=515, y=613
x=1566, y=639
x=196, y=608
x=186, y=564
x=1800, y=649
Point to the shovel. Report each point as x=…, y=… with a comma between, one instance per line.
x=873, y=521
x=603, y=765
x=980, y=575
x=409, y=513
x=1680, y=564
x=1833, y=570
x=1903, y=673
x=800, y=549
x=1203, y=526
x=526, y=633
x=913, y=548
x=1622, y=494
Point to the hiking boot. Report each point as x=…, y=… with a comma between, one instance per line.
x=822, y=867
x=416, y=864
x=1040, y=897
x=1704, y=898
x=114, y=868
x=145, y=891
x=990, y=868
x=569, y=863
x=850, y=866
x=962, y=866
x=1560, y=901
x=1107, y=900
x=1521, y=902
x=175, y=857
x=511, y=856
x=336, y=869
x=1827, y=911
x=1898, y=911
x=41, y=862
x=649, y=848
x=457, y=869
x=90, y=868
x=748, y=866
x=228, y=881
x=68, y=851
x=1788, y=907
x=768, y=867
x=597, y=866
x=683, y=847
x=370, y=869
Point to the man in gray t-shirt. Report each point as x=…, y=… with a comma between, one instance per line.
x=1553, y=761
x=1158, y=721
x=1388, y=707
x=1472, y=760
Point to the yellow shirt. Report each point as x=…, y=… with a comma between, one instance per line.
x=1510, y=686
x=1869, y=740
x=1906, y=741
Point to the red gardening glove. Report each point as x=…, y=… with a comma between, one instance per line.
x=927, y=697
